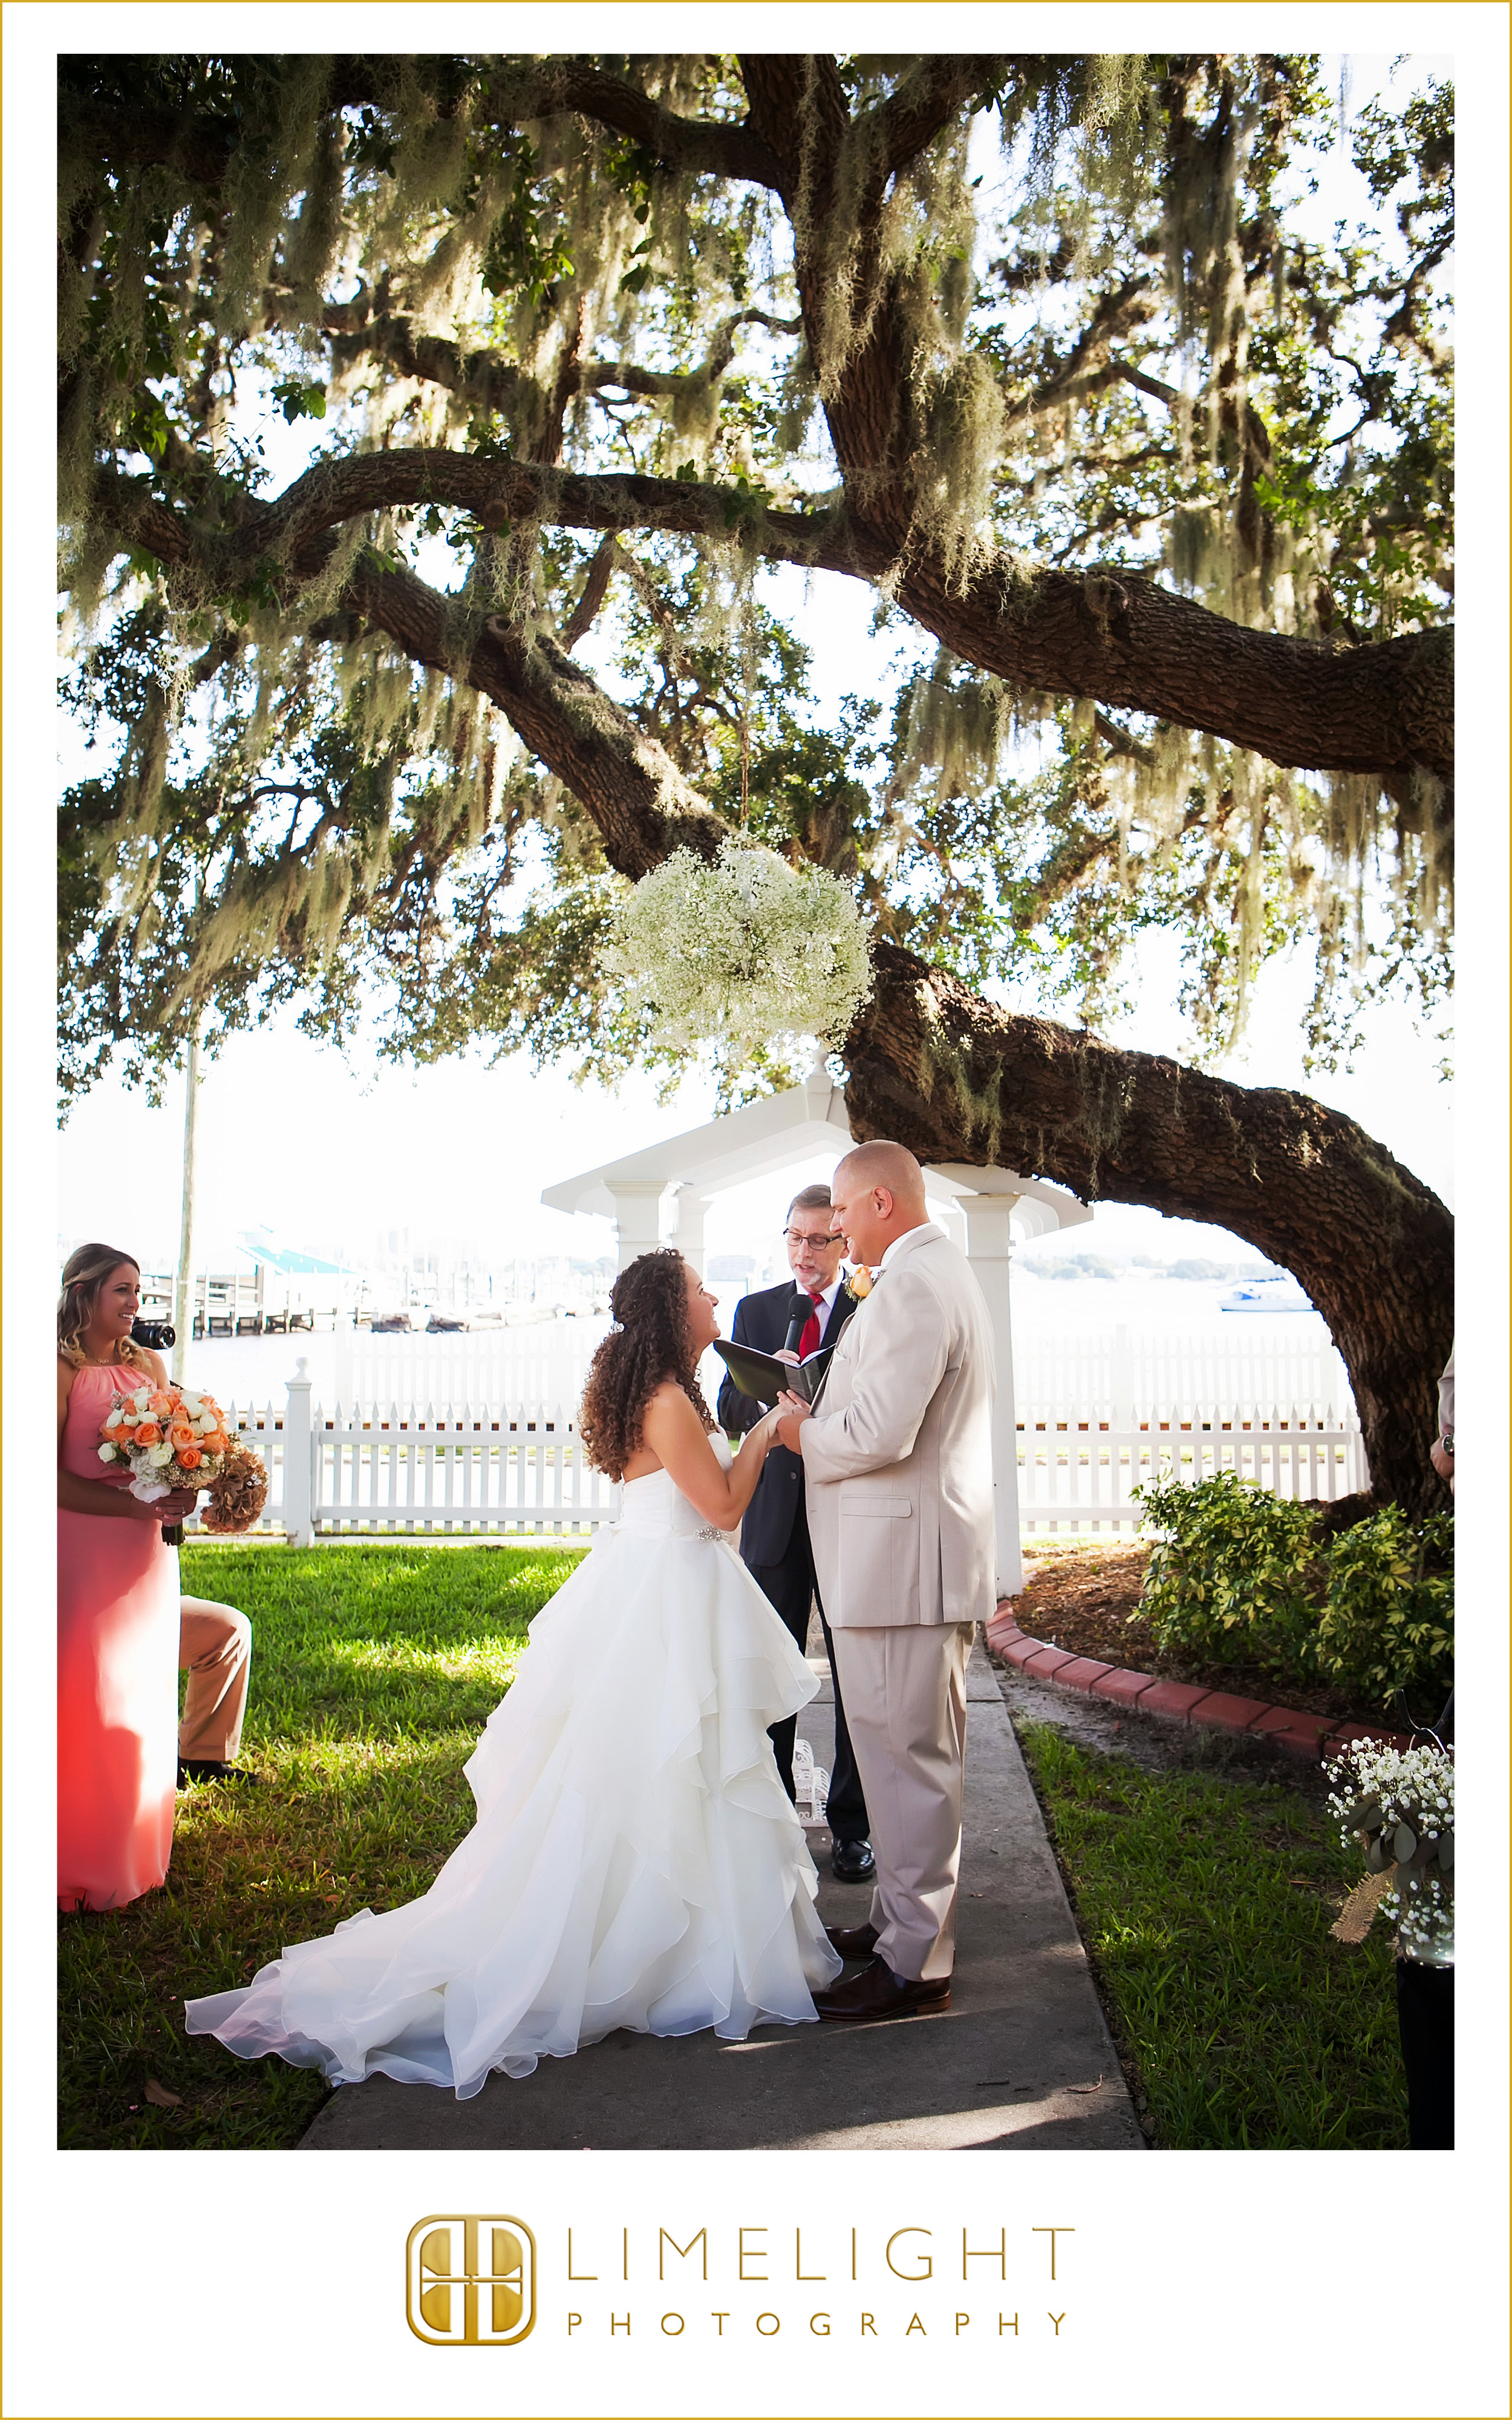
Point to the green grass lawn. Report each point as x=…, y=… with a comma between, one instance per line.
x=373, y=1670
x=1205, y=1903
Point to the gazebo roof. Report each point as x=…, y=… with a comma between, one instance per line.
x=770, y=1134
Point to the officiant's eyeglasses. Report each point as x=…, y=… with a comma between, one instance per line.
x=820, y=1242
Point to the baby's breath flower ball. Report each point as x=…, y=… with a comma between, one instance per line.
x=745, y=953
x=1399, y=1803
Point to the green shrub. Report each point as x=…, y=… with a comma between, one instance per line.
x=1241, y=1577
x=1234, y=1577
x=1388, y=1617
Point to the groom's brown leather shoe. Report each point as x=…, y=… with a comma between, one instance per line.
x=878, y=1992
x=852, y=1940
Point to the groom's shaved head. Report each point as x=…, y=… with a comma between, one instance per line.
x=878, y=1194
x=886, y=1164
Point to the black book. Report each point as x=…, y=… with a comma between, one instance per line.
x=764, y=1377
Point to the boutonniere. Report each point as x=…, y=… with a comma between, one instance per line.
x=859, y=1283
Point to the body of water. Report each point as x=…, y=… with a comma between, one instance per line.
x=545, y=1362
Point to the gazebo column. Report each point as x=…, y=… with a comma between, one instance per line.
x=688, y=1206
x=636, y=1215
x=989, y=1249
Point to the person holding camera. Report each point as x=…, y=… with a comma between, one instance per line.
x=123, y=1628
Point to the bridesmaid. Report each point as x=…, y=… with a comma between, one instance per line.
x=118, y=1693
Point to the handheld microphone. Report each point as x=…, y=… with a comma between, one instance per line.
x=799, y=1321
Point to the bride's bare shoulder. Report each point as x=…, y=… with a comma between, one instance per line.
x=665, y=1418
x=671, y=1408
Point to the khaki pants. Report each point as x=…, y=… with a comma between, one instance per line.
x=215, y=1650
x=906, y=1702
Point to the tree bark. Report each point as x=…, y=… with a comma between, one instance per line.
x=641, y=805
x=1385, y=709
x=933, y=1066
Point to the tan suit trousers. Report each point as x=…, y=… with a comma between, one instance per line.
x=904, y=1689
x=215, y=1650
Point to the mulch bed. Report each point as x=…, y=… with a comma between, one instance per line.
x=1084, y=1599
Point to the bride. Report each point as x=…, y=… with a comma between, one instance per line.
x=636, y=1861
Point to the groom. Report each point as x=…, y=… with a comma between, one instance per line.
x=898, y=1470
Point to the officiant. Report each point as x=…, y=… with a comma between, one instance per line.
x=797, y=1319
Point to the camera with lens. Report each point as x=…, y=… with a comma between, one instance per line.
x=156, y=1334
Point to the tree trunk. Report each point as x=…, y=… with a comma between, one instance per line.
x=936, y=1068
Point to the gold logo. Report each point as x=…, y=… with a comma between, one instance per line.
x=470, y=2281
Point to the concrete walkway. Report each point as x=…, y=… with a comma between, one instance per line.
x=1021, y=2061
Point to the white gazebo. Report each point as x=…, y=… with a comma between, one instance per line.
x=660, y=1195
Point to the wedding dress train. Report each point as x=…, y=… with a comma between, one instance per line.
x=636, y=1861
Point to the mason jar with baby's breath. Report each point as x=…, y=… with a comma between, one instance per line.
x=1398, y=1805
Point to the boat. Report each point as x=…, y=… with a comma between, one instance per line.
x=1280, y=1292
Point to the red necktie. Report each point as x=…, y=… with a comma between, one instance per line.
x=808, y=1340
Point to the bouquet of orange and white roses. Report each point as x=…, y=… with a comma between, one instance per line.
x=175, y=1437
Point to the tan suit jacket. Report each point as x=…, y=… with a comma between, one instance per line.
x=898, y=1458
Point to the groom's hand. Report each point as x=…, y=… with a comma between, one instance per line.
x=795, y=1412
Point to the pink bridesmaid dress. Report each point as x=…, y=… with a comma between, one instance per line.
x=117, y=1682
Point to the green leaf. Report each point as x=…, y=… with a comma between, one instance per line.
x=300, y=400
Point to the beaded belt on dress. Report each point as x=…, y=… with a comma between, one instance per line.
x=710, y=1537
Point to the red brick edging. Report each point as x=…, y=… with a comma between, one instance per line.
x=1306, y=1735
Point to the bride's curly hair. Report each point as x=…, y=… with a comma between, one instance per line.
x=650, y=1342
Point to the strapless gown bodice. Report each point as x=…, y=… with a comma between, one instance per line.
x=655, y=1507
x=636, y=1861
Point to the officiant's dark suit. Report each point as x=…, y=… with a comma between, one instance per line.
x=774, y=1546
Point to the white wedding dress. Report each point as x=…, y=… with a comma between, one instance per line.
x=636, y=1861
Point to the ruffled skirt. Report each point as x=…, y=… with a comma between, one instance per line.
x=636, y=1861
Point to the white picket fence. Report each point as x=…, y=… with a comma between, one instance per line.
x=1080, y=1475
x=473, y=1470
x=391, y=1469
